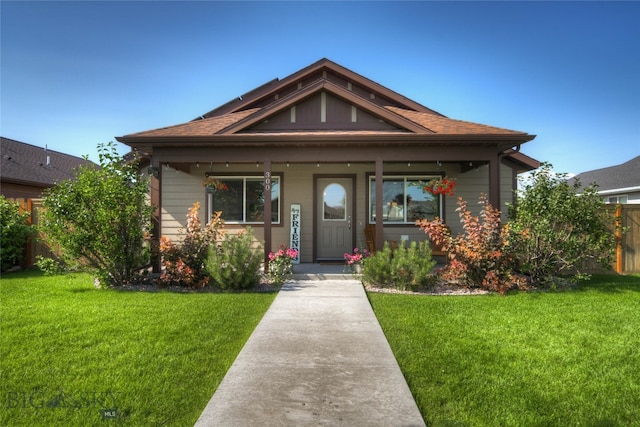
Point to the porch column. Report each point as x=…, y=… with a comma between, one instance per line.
x=379, y=230
x=155, y=173
x=494, y=182
x=267, y=212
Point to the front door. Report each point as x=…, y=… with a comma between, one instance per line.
x=334, y=201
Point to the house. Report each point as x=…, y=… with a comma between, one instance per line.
x=309, y=160
x=27, y=170
x=616, y=184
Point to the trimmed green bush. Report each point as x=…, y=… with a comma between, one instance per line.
x=235, y=262
x=377, y=268
x=403, y=268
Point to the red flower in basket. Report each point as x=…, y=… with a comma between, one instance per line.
x=442, y=186
x=215, y=184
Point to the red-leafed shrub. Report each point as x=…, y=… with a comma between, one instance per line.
x=479, y=256
x=184, y=262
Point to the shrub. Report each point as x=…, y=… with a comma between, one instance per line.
x=377, y=269
x=480, y=256
x=281, y=265
x=557, y=227
x=102, y=218
x=235, y=263
x=411, y=267
x=15, y=231
x=403, y=268
x=184, y=262
x=49, y=266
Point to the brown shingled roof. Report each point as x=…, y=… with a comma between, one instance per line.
x=28, y=164
x=444, y=125
x=204, y=127
x=239, y=118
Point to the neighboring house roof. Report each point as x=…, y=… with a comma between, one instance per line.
x=261, y=116
x=623, y=177
x=31, y=165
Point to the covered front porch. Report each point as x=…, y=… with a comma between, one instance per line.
x=300, y=175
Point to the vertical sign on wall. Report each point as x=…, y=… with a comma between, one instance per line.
x=294, y=242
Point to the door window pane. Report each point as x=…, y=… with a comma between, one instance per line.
x=334, y=202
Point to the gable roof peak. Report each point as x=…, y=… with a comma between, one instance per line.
x=273, y=89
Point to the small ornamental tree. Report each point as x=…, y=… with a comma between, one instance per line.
x=557, y=227
x=102, y=217
x=480, y=256
x=184, y=262
x=15, y=230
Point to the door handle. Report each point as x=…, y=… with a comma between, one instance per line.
x=349, y=223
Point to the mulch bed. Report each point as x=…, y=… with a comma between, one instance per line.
x=437, y=289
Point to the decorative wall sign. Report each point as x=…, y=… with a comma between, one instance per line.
x=294, y=242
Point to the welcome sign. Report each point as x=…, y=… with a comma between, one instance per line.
x=294, y=241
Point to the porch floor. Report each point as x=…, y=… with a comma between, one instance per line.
x=322, y=271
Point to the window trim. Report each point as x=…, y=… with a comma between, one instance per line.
x=274, y=177
x=370, y=178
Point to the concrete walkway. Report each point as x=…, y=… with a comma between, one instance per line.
x=318, y=357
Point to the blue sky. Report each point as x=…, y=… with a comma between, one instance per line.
x=76, y=74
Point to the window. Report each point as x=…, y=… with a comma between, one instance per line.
x=404, y=200
x=614, y=200
x=334, y=204
x=241, y=199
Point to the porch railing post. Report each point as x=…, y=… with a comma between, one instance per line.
x=379, y=195
x=267, y=212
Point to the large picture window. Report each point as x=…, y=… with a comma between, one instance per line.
x=404, y=199
x=241, y=199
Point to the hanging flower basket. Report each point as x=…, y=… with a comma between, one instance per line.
x=212, y=185
x=439, y=186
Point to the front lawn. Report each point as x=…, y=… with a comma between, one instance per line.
x=68, y=352
x=528, y=359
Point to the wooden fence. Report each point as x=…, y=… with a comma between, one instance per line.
x=627, y=219
x=36, y=244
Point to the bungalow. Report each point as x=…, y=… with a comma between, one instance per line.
x=312, y=159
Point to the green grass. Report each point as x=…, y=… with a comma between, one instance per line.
x=69, y=351
x=529, y=359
